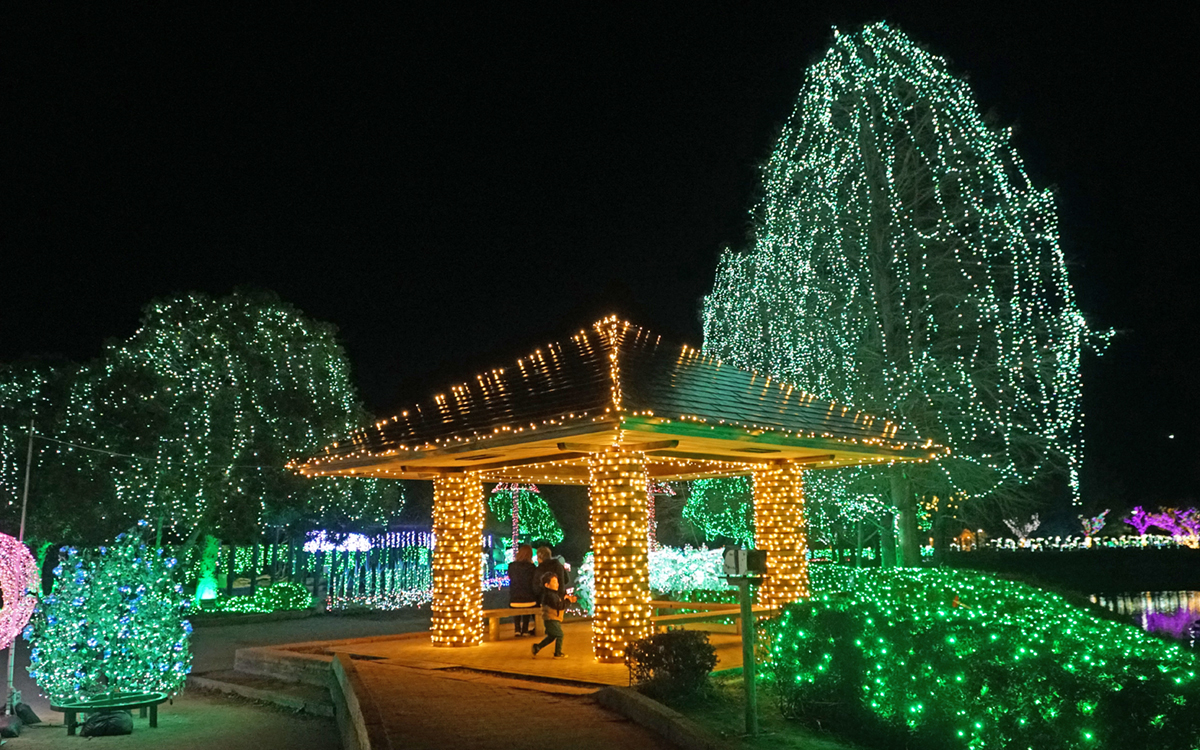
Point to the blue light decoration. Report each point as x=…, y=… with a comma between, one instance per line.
x=113, y=623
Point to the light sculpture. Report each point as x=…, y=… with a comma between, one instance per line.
x=18, y=583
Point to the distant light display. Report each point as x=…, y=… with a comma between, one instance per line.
x=523, y=506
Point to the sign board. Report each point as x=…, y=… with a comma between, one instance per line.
x=745, y=562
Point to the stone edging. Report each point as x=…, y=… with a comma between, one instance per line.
x=358, y=717
x=671, y=725
x=218, y=619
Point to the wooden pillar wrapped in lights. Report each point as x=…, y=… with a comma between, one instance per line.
x=620, y=525
x=779, y=529
x=457, y=560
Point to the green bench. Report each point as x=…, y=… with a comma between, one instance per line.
x=115, y=702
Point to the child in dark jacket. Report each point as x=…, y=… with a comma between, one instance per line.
x=553, y=605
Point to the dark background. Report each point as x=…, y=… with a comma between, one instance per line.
x=453, y=189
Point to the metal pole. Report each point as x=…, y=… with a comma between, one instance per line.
x=748, y=667
x=10, y=701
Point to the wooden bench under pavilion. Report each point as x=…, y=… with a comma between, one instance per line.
x=613, y=407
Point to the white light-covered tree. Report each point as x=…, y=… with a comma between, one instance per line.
x=904, y=264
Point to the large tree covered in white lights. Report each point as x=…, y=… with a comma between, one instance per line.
x=903, y=263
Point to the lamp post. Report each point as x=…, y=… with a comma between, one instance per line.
x=744, y=568
x=11, y=701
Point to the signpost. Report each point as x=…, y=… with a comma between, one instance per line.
x=744, y=568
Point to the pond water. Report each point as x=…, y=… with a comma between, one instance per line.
x=1167, y=613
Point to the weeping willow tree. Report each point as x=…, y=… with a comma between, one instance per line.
x=903, y=263
x=201, y=409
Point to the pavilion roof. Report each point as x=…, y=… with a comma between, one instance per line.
x=693, y=415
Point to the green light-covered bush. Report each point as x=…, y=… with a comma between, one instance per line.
x=113, y=624
x=951, y=659
x=672, y=664
x=274, y=598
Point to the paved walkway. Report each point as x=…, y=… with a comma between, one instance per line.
x=432, y=710
x=511, y=656
x=201, y=720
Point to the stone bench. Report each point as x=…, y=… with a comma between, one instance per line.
x=494, y=615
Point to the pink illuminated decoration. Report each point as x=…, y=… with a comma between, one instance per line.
x=1182, y=524
x=1176, y=624
x=18, y=578
x=1140, y=520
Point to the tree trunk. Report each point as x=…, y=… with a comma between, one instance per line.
x=908, y=543
x=887, y=541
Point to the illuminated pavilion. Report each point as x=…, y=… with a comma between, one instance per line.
x=613, y=408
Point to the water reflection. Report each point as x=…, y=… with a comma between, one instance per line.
x=1169, y=613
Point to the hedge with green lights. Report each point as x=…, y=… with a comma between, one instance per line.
x=285, y=595
x=953, y=659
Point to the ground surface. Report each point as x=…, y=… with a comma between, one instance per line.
x=511, y=655
x=197, y=720
x=413, y=707
x=201, y=720
x=722, y=712
x=422, y=708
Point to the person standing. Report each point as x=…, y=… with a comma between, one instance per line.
x=548, y=565
x=520, y=589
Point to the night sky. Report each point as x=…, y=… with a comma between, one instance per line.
x=452, y=190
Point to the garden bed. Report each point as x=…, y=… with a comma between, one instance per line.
x=721, y=711
x=953, y=659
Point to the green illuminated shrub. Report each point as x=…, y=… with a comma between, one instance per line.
x=278, y=596
x=112, y=624
x=962, y=660
x=672, y=664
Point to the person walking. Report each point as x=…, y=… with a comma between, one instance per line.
x=520, y=589
x=553, y=606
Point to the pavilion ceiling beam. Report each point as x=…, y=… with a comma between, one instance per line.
x=552, y=458
x=640, y=447
x=748, y=459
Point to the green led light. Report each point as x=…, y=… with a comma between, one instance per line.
x=113, y=623
x=903, y=263
x=205, y=404
x=1012, y=666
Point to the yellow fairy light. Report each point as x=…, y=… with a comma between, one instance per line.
x=620, y=526
x=457, y=560
x=779, y=529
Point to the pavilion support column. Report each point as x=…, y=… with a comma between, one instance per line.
x=779, y=528
x=620, y=525
x=457, y=560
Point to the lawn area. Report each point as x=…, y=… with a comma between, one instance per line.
x=721, y=710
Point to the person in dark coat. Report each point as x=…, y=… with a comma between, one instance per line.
x=520, y=589
x=548, y=565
